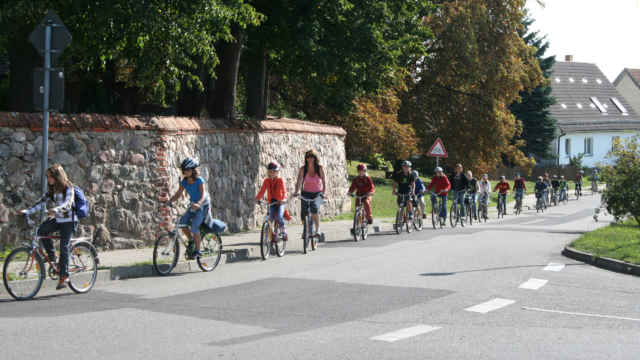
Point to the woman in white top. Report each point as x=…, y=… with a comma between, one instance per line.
x=484, y=189
x=60, y=191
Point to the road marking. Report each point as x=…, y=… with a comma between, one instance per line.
x=490, y=305
x=580, y=314
x=405, y=333
x=533, y=284
x=554, y=267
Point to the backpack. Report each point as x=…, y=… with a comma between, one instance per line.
x=80, y=203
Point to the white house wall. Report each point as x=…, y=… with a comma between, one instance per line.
x=602, y=142
x=630, y=92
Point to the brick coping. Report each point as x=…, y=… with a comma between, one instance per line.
x=163, y=124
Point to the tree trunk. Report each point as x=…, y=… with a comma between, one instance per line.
x=222, y=97
x=257, y=84
x=23, y=60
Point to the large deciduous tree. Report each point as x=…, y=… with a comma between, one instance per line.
x=478, y=64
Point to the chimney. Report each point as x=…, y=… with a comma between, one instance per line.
x=568, y=58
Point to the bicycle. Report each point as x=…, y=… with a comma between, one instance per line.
x=502, y=206
x=310, y=238
x=483, y=211
x=519, y=196
x=594, y=186
x=271, y=238
x=417, y=214
x=436, y=210
x=402, y=215
x=563, y=196
x=360, y=228
x=455, y=213
x=578, y=191
x=554, y=196
x=468, y=205
x=540, y=202
x=24, y=268
x=166, y=250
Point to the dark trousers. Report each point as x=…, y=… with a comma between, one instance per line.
x=65, y=229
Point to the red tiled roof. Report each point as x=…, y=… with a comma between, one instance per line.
x=115, y=123
x=635, y=73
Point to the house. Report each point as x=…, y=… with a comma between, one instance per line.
x=590, y=113
x=628, y=85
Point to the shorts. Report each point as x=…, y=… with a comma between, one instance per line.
x=195, y=218
x=312, y=206
x=402, y=198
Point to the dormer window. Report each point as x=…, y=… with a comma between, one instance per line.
x=571, y=80
x=596, y=103
x=558, y=80
x=620, y=107
x=584, y=80
x=579, y=105
x=599, y=81
x=564, y=106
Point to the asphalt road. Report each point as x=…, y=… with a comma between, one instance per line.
x=500, y=290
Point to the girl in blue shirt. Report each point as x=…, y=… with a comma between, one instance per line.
x=195, y=188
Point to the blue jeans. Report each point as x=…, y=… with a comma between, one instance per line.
x=519, y=193
x=65, y=229
x=474, y=200
x=195, y=217
x=458, y=198
x=276, y=213
x=504, y=201
x=434, y=204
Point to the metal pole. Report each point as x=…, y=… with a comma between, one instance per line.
x=45, y=107
x=437, y=161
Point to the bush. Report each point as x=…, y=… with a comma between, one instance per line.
x=622, y=194
x=378, y=162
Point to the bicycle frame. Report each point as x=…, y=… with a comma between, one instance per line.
x=272, y=223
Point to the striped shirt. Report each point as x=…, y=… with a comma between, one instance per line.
x=63, y=208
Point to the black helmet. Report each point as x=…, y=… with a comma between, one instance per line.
x=273, y=166
x=189, y=164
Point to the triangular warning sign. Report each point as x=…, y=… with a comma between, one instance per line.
x=437, y=149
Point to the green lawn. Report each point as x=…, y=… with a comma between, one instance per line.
x=383, y=203
x=621, y=242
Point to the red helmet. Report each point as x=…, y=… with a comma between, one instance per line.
x=362, y=167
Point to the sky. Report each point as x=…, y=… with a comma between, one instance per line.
x=603, y=32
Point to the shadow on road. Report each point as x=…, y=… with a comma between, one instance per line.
x=494, y=269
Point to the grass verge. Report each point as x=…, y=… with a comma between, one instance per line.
x=616, y=241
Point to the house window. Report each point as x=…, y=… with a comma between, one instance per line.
x=588, y=146
x=567, y=147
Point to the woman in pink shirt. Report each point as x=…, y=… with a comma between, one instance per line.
x=311, y=179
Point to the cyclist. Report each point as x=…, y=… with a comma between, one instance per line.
x=563, y=188
x=440, y=186
x=276, y=191
x=519, y=187
x=363, y=186
x=472, y=189
x=485, y=189
x=594, y=180
x=547, y=198
x=404, y=185
x=503, y=188
x=555, y=185
x=541, y=187
x=579, y=178
x=418, y=198
x=195, y=187
x=311, y=181
x=60, y=191
x=459, y=185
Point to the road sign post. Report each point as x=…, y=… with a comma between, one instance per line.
x=438, y=151
x=50, y=38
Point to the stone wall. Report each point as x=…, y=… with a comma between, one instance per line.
x=125, y=164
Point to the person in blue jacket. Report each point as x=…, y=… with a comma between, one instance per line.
x=419, y=191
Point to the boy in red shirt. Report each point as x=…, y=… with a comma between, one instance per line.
x=363, y=186
x=276, y=195
x=441, y=186
x=503, y=188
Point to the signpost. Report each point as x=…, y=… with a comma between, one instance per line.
x=437, y=150
x=50, y=38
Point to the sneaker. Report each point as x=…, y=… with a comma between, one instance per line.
x=424, y=216
x=410, y=217
x=284, y=236
x=62, y=283
x=197, y=254
x=370, y=221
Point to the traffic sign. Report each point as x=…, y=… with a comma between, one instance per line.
x=437, y=149
x=60, y=36
x=56, y=95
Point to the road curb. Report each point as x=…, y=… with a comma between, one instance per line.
x=601, y=262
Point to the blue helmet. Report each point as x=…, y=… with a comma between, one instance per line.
x=189, y=164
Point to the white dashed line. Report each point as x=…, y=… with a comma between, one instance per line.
x=580, y=314
x=554, y=267
x=490, y=305
x=533, y=284
x=405, y=333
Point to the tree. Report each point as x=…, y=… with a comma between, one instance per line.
x=477, y=65
x=622, y=194
x=538, y=126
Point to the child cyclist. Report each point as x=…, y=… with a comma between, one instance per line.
x=418, y=192
x=194, y=185
x=363, y=186
x=520, y=187
x=439, y=186
x=273, y=185
x=59, y=190
x=503, y=188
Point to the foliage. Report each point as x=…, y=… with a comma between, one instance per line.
x=379, y=162
x=616, y=241
x=373, y=128
x=532, y=110
x=576, y=161
x=477, y=66
x=622, y=194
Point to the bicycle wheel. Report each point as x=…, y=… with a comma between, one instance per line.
x=314, y=241
x=453, y=215
x=417, y=220
x=365, y=230
x=265, y=241
x=469, y=215
x=165, y=253
x=485, y=213
x=435, y=216
x=83, y=267
x=356, y=231
x=307, y=235
x=399, y=223
x=23, y=273
x=211, y=249
x=577, y=194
